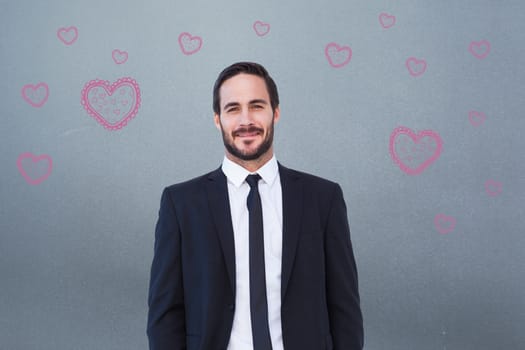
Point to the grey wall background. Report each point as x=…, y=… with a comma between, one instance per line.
x=75, y=249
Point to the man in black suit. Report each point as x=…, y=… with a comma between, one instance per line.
x=253, y=255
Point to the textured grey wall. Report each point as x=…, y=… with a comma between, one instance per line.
x=437, y=218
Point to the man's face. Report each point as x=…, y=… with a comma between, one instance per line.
x=246, y=118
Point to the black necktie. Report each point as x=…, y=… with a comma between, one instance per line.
x=258, y=305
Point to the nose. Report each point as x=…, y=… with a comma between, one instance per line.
x=246, y=117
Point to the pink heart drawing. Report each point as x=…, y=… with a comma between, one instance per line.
x=479, y=49
x=414, y=153
x=261, y=28
x=476, y=118
x=35, y=95
x=444, y=224
x=387, y=20
x=119, y=57
x=416, y=66
x=493, y=187
x=337, y=56
x=68, y=35
x=112, y=105
x=34, y=169
x=189, y=44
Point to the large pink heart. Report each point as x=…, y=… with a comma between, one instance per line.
x=34, y=169
x=112, y=105
x=412, y=152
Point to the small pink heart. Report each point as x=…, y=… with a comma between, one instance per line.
x=337, y=56
x=416, y=66
x=480, y=49
x=493, y=187
x=189, y=44
x=476, y=118
x=261, y=28
x=387, y=20
x=125, y=92
x=412, y=152
x=34, y=169
x=35, y=95
x=119, y=57
x=444, y=224
x=68, y=35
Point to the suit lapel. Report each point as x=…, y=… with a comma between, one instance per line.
x=292, y=212
x=217, y=190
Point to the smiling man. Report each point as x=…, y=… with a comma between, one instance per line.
x=253, y=255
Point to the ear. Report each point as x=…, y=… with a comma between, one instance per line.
x=276, y=114
x=217, y=121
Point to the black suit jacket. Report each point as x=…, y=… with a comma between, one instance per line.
x=192, y=286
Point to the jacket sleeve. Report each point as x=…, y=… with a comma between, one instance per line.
x=346, y=321
x=166, y=327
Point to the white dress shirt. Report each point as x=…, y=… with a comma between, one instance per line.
x=272, y=210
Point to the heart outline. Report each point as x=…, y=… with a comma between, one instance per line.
x=34, y=88
x=439, y=219
x=119, y=57
x=385, y=18
x=417, y=62
x=476, y=118
x=491, y=184
x=34, y=159
x=261, y=28
x=338, y=49
x=63, y=32
x=415, y=138
x=186, y=35
x=479, y=44
x=110, y=89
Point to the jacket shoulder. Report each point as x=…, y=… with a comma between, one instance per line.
x=193, y=184
x=308, y=179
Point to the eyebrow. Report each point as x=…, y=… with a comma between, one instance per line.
x=252, y=102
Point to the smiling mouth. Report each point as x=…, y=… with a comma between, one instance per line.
x=248, y=132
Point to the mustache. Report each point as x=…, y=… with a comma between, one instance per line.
x=247, y=129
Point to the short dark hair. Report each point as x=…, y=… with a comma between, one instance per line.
x=246, y=68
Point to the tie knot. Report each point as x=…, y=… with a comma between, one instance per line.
x=253, y=180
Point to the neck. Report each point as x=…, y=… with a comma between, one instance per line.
x=252, y=165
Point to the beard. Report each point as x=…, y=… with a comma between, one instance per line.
x=248, y=155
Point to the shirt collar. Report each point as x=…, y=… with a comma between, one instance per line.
x=236, y=174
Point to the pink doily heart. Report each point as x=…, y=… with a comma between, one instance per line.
x=112, y=105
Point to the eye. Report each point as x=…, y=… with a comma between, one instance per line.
x=232, y=109
x=257, y=106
